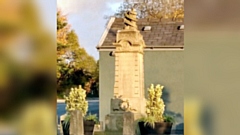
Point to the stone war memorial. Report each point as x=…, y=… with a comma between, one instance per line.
x=128, y=103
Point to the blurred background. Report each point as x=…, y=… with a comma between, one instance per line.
x=212, y=53
x=28, y=67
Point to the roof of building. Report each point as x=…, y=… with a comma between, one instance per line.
x=163, y=34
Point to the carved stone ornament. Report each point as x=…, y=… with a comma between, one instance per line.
x=125, y=45
x=124, y=105
x=120, y=105
x=130, y=19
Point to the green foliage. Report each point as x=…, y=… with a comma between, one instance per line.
x=168, y=118
x=66, y=121
x=76, y=100
x=148, y=121
x=95, y=82
x=91, y=117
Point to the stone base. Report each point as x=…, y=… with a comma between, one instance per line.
x=131, y=123
x=122, y=124
x=76, y=123
x=114, y=123
x=99, y=133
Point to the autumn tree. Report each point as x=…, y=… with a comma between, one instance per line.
x=173, y=9
x=74, y=66
x=95, y=83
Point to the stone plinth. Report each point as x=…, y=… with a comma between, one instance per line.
x=76, y=123
x=122, y=124
x=130, y=123
x=114, y=124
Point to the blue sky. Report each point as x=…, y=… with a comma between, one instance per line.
x=86, y=17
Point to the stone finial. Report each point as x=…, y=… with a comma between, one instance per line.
x=130, y=19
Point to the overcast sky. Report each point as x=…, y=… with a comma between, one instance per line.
x=46, y=10
x=86, y=17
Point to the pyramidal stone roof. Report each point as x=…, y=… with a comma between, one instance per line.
x=156, y=33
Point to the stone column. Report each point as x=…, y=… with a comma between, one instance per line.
x=129, y=70
x=128, y=103
x=76, y=123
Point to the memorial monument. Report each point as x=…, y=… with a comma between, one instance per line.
x=128, y=103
